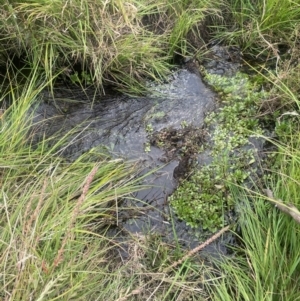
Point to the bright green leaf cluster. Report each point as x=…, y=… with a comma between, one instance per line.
x=204, y=198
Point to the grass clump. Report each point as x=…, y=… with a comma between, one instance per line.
x=102, y=42
x=261, y=28
x=266, y=266
x=53, y=213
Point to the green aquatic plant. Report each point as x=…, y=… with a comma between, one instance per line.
x=204, y=198
x=154, y=116
x=184, y=124
x=83, y=79
x=149, y=128
x=200, y=200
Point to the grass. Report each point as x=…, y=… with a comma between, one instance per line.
x=100, y=42
x=56, y=214
x=267, y=265
x=53, y=213
x=264, y=29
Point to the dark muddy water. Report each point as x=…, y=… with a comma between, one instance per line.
x=124, y=125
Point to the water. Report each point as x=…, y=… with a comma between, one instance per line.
x=122, y=124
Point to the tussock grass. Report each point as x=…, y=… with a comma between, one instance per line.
x=267, y=266
x=53, y=213
x=260, y=28
x=105, y=42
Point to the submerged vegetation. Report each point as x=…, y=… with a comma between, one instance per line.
x=55, y=242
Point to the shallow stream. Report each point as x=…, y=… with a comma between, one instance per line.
x=131, y=128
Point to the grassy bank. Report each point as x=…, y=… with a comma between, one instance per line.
x=102, y=42
x=56, y=214
x=267, y=265
x=55, y=217
x=53, y=213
